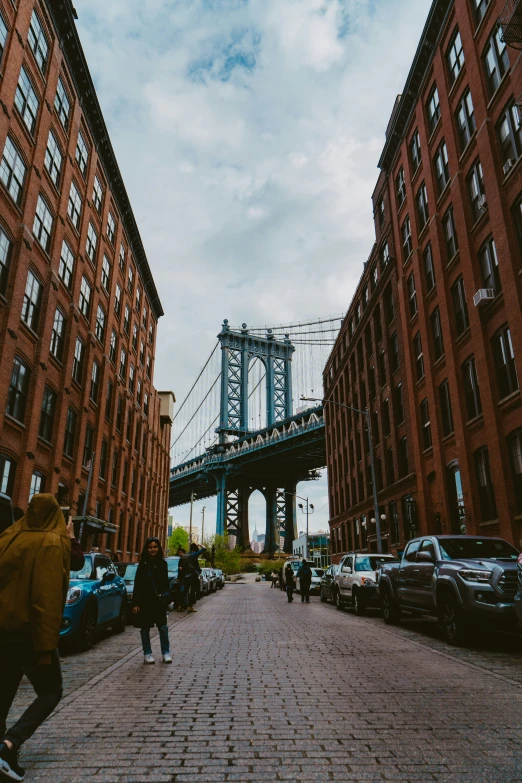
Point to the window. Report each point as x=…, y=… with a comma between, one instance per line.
x=423, y=212
x=374, y=277
x=103, y=460
x=126, y=319
x=74, y=205
x=131, y=378
x=43, y=224
x=393, y=514
x=77, y=369
x=82, y=154
x=142, y=352
x=476, y=191
x=84, y=303
x=429, y=270
x=480, y=8
x=62, y=104
x=460, y=308
x=123, y=363
x=130, y=281
x=70, y=433
x=122, y=257
x=394, y=352
x=433, y=109
x=108, y=401
x=106, y=273
x=425, y=424
x=388, y=305
x=37, y=485
x=436, y=332
x=450, y=233
x=455, y=57
x=91, y=243
x=509, y=135
x=95, y=382
x=517, y=219
x=487, y=503
x=385, y=412
x=100, y=324
x=148, y=368
x=113, y=346
x=445, y=409
x=97, y=195
x=45, y=429
x=58, y=335
x=419, y=357
x=32, y=301
x=385, y=255
x=5, y=259
x=87, y=447
x=407, y=246
x=496, y=59
x=146, y=404
x=12, y=171
x=364, y=304
x=402, y=457
x=3, y=39
x=7, y=474
x=415, y=151
x=381, y=212
x=135, y=336
x=117, y=299
x=489, y=266
x=465, y=117
x=398, y=404
x=37, y=41
x=507, y=379
x=26, y=101
x=114, y=469
x=18, y=388
x=139, y=392
x=53, y=159
x=119, y=415
x=515, y=457
x=400, y=187
x=111, y=228
x=381, y=368
x=412, y=295
x=442, y=167
x=471, y=388
x=144, y=321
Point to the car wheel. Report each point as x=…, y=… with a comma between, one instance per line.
x=358, y=606
x=323, y=597
x=390, y=611
x=88, y=627
x=337, y=600
x=453, y=623
x=121, y=623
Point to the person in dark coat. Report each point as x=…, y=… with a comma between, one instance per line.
x=149, y=599
x=289, y=583
x=304, y=574
x=281, y=579
x=189, y=571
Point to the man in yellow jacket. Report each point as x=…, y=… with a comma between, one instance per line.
x=35, y=556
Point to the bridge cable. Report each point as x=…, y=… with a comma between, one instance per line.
x=195, y=382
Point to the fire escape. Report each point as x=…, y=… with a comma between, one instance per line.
x=510, y=22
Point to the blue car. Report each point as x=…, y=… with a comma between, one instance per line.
x=96, y=599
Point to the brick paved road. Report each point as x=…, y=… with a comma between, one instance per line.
x=266, y=691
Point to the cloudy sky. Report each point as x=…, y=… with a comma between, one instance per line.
x=248, y=134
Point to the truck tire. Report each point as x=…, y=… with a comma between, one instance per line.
x=358, y=606
x=337, y=600
x=390, y=611
x=452, y=619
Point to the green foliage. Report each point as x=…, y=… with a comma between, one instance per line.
x=228, y=560
x=178, y=538
x=267, y=566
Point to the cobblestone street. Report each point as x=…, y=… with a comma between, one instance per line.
x=261, y=690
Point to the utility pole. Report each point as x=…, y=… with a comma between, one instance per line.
x=202, y=524
x=192, y=498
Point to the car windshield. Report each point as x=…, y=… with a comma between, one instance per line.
x=130, y=572
x=85, y=572
x=477, y=549
x=173, y=565
x=372, y=562
x=317, y=571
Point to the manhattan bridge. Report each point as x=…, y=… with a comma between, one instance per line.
x=243, y=427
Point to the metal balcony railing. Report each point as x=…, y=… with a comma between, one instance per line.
x=510, y=21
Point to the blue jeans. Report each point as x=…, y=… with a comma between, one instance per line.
x=164, y=640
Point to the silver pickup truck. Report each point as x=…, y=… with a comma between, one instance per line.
x=456, y=578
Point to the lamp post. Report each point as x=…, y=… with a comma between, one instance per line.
x=366, y=414
x=309, y=510
x=202, y=524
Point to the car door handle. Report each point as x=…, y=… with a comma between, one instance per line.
x=416, y=570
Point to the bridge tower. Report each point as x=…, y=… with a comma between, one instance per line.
x=238, y=349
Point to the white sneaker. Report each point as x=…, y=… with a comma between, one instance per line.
x=167, y=658
x=148, y=659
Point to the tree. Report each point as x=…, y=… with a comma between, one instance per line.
x=228, y=560
x=178, y=538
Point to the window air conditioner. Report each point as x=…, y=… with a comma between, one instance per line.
x=483, y=295
x=508, y=165
x=482, y=202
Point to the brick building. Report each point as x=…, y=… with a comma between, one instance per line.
x=432, y=341
x=78, y=304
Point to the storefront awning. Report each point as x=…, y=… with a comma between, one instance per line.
x=97, y=524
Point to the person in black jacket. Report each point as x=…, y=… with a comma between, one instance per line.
x=289, y=583
x=150, y=597
x=304, y=574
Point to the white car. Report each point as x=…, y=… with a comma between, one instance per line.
x=315, y=587
x=356, y=580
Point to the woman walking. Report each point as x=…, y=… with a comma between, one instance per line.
x=150, y=598
x=290, y=583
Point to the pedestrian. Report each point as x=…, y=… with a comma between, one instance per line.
x=189, y=576
x=150, y=598
x=304, y=574
x=290, y=583
x=274, y=579
x=35, y=556
x=281, y=579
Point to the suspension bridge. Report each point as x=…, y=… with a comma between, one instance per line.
x=242, y=426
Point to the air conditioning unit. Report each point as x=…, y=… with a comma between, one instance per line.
x=482, y=203
x=508, y=165
x=483, y=295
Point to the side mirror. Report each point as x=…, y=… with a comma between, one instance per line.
x=347, y=570
x=108, y=576
x=424, y=557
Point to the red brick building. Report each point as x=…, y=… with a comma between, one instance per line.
x=432, y=341
x=78, y=304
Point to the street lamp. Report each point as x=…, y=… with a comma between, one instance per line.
x=309, y=510
x=366, y=414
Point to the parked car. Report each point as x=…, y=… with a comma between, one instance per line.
x=327, y=582
x=459, y=579
x=355, y=582
x=315, y=586
x=204, y=582
x=127, y=571
x=173, y=574
x=518, y=596
x=211, y=578
x=221, y=578
x=96, y=599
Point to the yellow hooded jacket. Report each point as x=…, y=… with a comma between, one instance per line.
x=35, y=556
